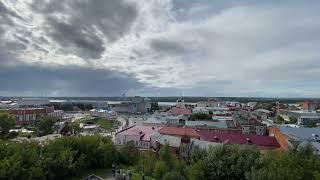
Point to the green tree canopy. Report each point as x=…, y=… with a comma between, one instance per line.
x=279, y=120
x=45, y=126
x=57, y=159
x=293, y=120
x=298, y=164
x=225, y=162
x=173, y=176
x=154, y=106
x=129, y=154
x=201, y=116
x=7, y=122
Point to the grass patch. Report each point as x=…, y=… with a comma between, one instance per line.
x=108, y=125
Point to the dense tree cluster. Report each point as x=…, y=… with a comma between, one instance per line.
x=233, y=162
x=154, y=106
x=201, y=116
x=163, y=166
x=279, y=120
x=71, y=106
x=44, y=126
x=225, y=162
x=293, y=120
x=7, y=122
x=57, y=159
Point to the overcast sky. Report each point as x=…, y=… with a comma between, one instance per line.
x=160, y=48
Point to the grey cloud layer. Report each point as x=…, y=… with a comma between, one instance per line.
x=64, y=81
x=78, y=32
x=200, y=47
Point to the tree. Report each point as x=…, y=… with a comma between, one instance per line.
x=298, y=164
x=167, y=157
x=75, y=126
x=293, y=120
x=7, y=122
x=200, y=116
x=279, y=120
x=129, y=154
x=198, y=154
x=160, y=169
x=146, y=163
x=196, y=171
x=312, y=124
x=227, y=162
x=57, y=159
x=45, y=126
x=154, y=106
x=173, y=176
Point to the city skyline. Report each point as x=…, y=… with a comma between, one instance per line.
x=213, y=48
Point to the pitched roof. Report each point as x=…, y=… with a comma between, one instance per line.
x=232, y=138
x=179, y=131
x=218, y=124
x=172, y=141
x=301, y=133
x=180, y=110
x=144, y=132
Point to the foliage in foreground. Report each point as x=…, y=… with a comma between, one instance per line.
x=233, y=162
x=7, y=122
x=68, y=156
x=58, y=159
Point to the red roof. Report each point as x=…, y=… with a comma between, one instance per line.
x=180, y=111
x=232, y=138
x=179, y=131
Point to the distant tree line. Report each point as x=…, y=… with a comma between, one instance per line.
x=71, y=106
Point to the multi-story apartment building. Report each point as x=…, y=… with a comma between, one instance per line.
x=311, y=105
x=25, y=116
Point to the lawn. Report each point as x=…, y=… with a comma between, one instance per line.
x=107, y=124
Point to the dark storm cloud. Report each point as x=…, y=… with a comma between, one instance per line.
x=85, y=43
x=79, y=34
x=71, y=81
